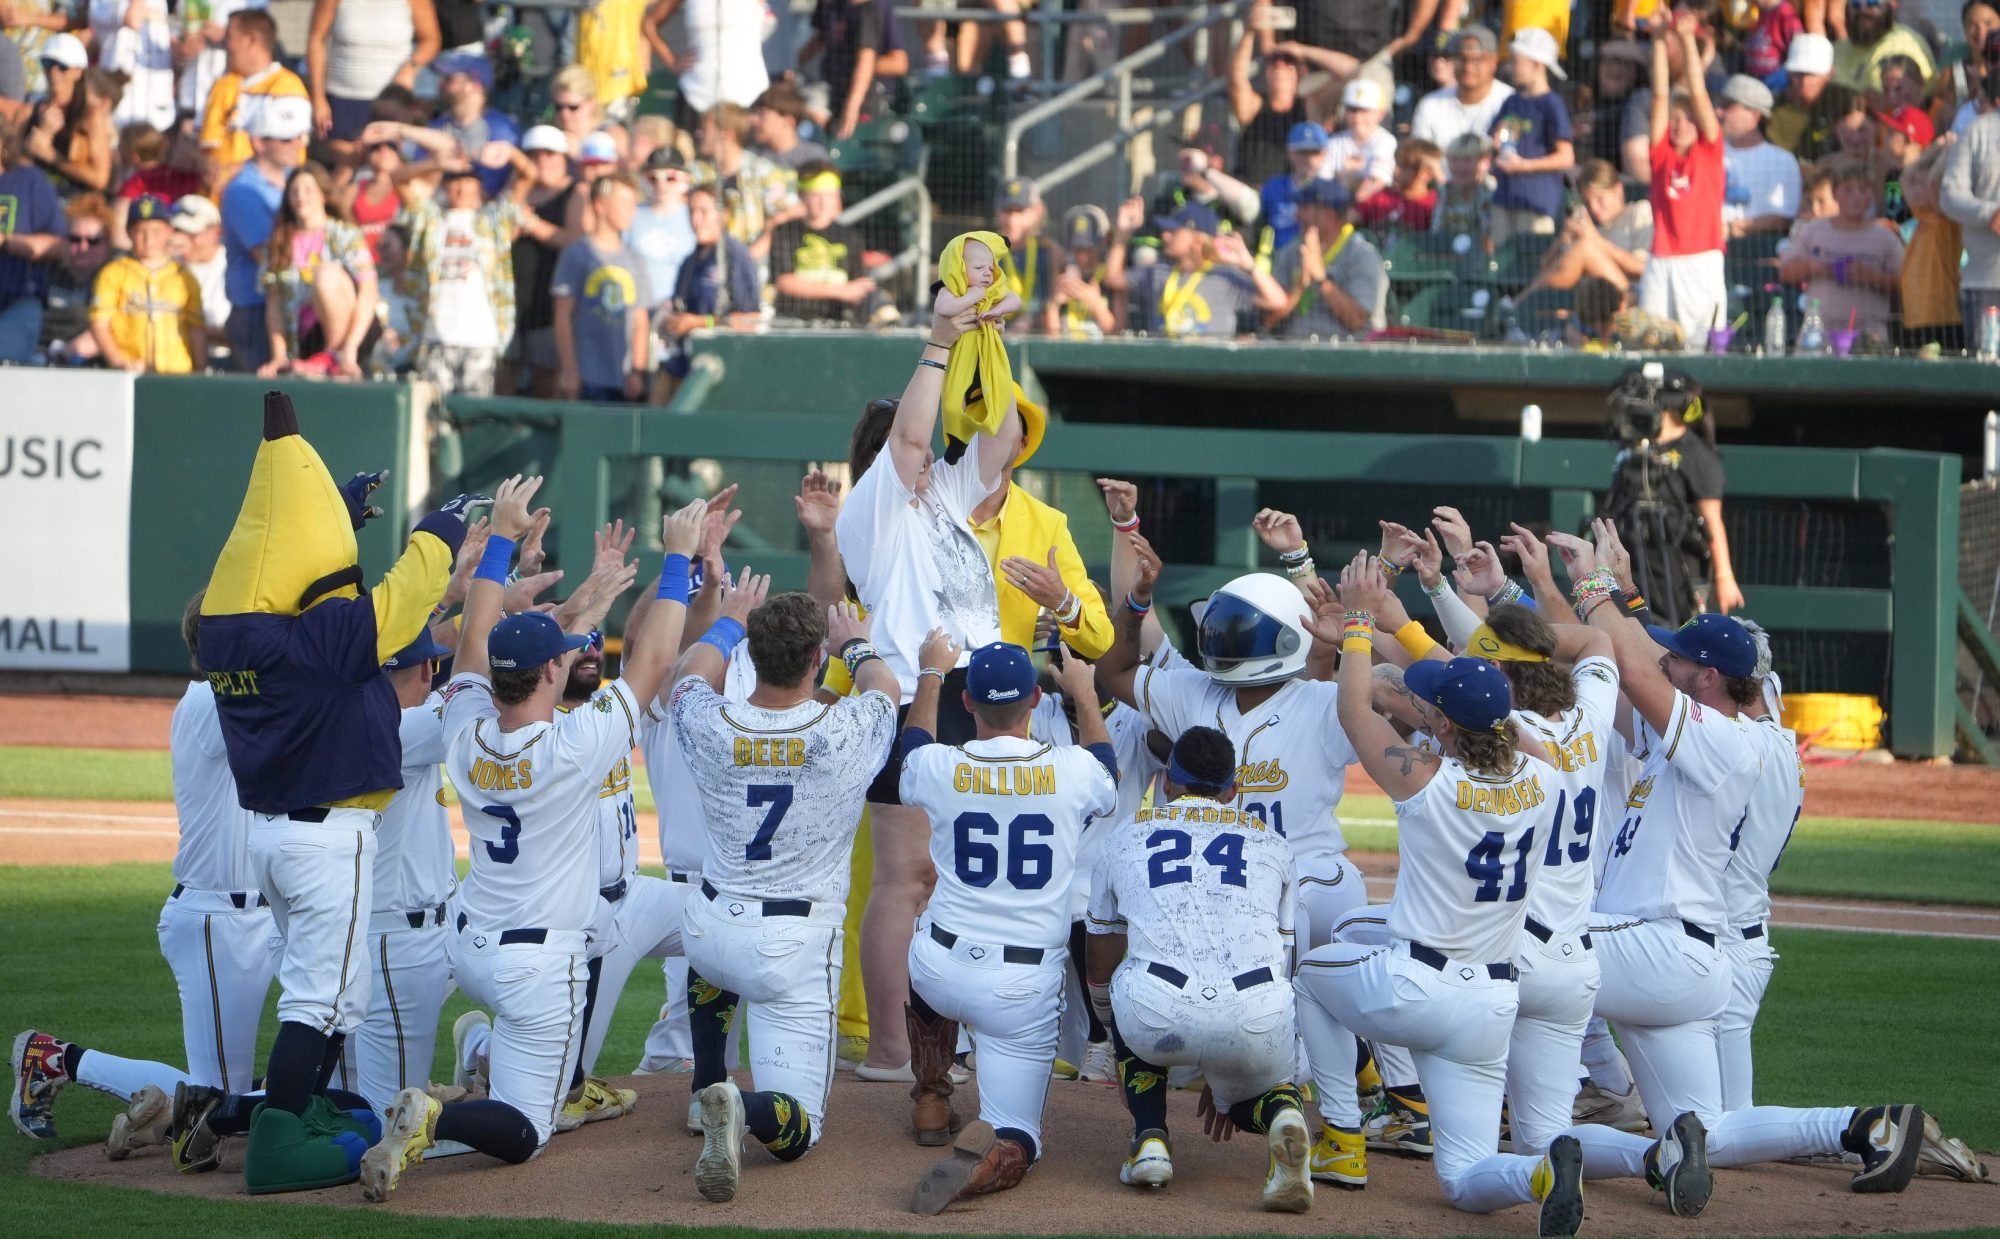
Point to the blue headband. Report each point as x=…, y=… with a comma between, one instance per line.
x=1180, y=774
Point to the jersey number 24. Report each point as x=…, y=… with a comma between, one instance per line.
x=1168, y=851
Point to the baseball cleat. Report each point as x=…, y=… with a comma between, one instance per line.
x=720, y=1165
x=1341, y=1158
x=468, y=1071
x=1149, y=1164
x=1288, y=1185
x=39, y=1074
x=1678, y=1166
x=191, y=1146
x=1625, y=1111
x=1099, y=1066
x=144, y=1122
x=411, y=1128
x=1947, y=1156
x=1890, y=1138
x=598, y=1101
x=668, y=1067
x=1558, y=1184
x=1400, y=1127
x=694, y=1114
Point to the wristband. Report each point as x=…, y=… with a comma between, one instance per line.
x=674, y=580
x=1133, y=604
x=1413, y=638
x=494, y=560
x=1129, y=526
x=439, y=611
x=1070, y=611
x=935, y=365
x=856, y=651
x=1389, y=569
x=1597, y=583
x=931, y=671
x=1509, y=592
x=929, y=343
x=1434, y=592
x=1600, y=601
x=1303, y=568
x=1303, y=552
x=723, y=634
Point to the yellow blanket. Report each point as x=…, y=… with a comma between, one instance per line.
x=979, y=357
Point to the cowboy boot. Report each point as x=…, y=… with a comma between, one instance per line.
x=931, y=1044
x=980, y=1162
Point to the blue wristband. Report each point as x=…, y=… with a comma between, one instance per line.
x=723, y=635
x=495, y=560
x=674, y=580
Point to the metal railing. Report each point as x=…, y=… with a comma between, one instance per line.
x=1051, y=25
x=917, y=254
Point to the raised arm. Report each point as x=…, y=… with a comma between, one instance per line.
x=1640, y=678
x=936, y=658
x=1075, y=679
x=1244, y=100
x=708, y=657
x=910, y=434
x=844, y=625
x=1121, y=502
x=1687, y=28
x=1397, y=768
x=489, y=581
x=1534, y=557
x=1118, y=669
x=1663, y=87
x=657, y=644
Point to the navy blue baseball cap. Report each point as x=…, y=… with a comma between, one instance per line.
x=1325, y=192
x=1000, y=674
x=528, y=640
x=1306, y=136
x=1713, y=641
x=415, y=654
x=1191, y=215
x=1471, y=691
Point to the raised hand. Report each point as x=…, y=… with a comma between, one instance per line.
x=1324, y=612
x=1611, y=552
x=1579, y=557
x=1149, y=566
x=521, y=595
x=612, y=542
x=680, y=532
x=939, y=652
x=460, y=505
x=532, y=552
x=1121, y=500
x=510, y=508
x=844, y=623
x=1362, y=585
x=1278, y=530
x=745, y=595
x=469, y=552
x=1534, y=556
x=1479, y=571
x=1075, y=677
x=1454, y=530
x=818, y=502
x=719, y=519
x=356, y=491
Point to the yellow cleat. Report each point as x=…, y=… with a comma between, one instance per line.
x=599, y=1101
x=408, y=1129
x=1341, y=1158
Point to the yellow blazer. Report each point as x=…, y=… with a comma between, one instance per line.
x=1028, y=528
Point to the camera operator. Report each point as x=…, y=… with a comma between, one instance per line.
x=1666, y=493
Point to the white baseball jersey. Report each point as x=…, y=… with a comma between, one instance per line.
x=1776, y=801
x=530, y=798
x=1579, y=742
x=1136, y=769
x=414, y=866
x=1291, y=755
x=214, y=852
x=1673, y=840
x=1007, y=816
x=1471, y=849
x=683, y=825
x=1198, y=886
x=782, y=790
x=617, y=817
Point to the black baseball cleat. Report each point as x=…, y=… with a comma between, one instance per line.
x=1889, y=1140
x=1677, y=1164
x=1559, y=1186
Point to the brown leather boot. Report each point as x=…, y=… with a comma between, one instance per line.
x=931, y=1045
x=980, y=1163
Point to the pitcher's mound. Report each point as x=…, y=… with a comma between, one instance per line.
x=639, y=1169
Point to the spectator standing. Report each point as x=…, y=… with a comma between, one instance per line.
x=371, y=195
x=1362, y=156
x=1620, y=62
x=724, y=60
x=1410, y=201
x=1930, y=262
x=1874, y=35
x=1205, y=286
x=557, y=205
x=250, y=209
x=1970, y=194
x=472, y=126
x=1267, y=110
x=31, y=24
x=1979, y=19
x=601, y=303
x=459, y=284
x=320, y=288
x=357, y=48
x=1472, y=103
x=661, y=233
x=860, y=43
x=1761, y=190
x=1083, y=307
x=578, y=114
x=134, y=38
x=200, y=49
x=816, y=261
x=609, y=44
x=197, y=242
x=1904, y=135
x=1278, y=199
x=1803, y=122
x=1533, y=141
x=1684, y=276
x=254, y=82
x=1635, y=127
x=1334, y=283
x=1364, y=29
x=755, y=193
x=1465, y=205
x=31, y=237
x=1768, y=44
x=775, y=125
x=1029, y=268
x=146, y=314
x=718, y=282
x=1849, y=264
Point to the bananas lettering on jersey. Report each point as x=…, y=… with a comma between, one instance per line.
x=770, y=751
x=1642, y=789
x=1501, y=801
x=1262, y=776
x=983, y=780
x=501, y=776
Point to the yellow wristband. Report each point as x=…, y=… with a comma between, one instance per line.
x=1413, y=638
x=1357, y=645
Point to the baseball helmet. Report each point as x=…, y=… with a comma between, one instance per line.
x=1248, y=632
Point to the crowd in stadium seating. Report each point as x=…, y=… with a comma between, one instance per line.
x=176, y=192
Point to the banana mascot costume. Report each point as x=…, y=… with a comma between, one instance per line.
x=293, y=648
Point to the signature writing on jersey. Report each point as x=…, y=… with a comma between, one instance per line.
x=770, y=751
x=233, y=683
x=1640, y=790
x=1208, y=815
x=1578, y=754
x=1262, y=776
x=502, y=776
x=983, y=780
x=1502, y=801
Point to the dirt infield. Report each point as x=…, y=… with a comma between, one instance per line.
x=640, y=1170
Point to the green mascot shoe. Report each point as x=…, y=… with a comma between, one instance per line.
x=324, y=1118
x=285, y=1154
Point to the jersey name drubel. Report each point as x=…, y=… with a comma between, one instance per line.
x=1505, y=801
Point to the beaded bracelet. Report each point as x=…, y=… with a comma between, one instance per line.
x=1389, y=568
x=1303, y=551
x=1439, y=590
x=857, y=651
x=1508, y=592
x=1070, y=611
x=1303, y=568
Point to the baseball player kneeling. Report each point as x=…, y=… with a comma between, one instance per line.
x=1196, y=899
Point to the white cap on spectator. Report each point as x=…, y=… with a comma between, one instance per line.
x=65, y=50
x=194, y=214
x=1746, y=91
x=1539, y=46
x=1364, y=93
x=598, y=148
x=1809, y=53
x=544, y=138
x=282, y=118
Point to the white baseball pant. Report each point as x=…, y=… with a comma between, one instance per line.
x=786, y=970
x=224, y=950
x=1322, y=903
x=1603, y=1061
x=535, y=989
x=320, y=878
x=645, y=924
x=392, y=1049
x=670, y=1039
x=1750, y=964
x=1240, y=1040
x=1664, y=988
x=1014, y=1011
x=1558, y=988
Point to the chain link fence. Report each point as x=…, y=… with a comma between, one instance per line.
x=1979, y=578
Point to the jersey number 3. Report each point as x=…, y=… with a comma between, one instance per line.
x=508, y=850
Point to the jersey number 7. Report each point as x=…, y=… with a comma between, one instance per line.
x=778, y=796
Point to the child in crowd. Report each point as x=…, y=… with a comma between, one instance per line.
x=1533, y=142
x=1904, y=134
x=1363, y=155
x=1849, y=263
x=1411, y=199
x=1684, y=278
x=1465, y=205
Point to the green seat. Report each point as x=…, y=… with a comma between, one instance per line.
x=1420, y=258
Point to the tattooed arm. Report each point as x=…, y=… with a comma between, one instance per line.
x=1397, y=768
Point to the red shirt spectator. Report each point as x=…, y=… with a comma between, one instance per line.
x=1686, y=192
x=171, y=184
x=1394, y=211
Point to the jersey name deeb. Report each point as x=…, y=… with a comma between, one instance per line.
x=983, y=780
x=767, y=751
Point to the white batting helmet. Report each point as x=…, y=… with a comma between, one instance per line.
x=1248, y=632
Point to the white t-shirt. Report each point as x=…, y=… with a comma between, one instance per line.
x=530, y=799
x=1579, y=741
x=1442, y=116
x=1770, y=174
x=461, y=310
x=918, y=567
x=1471, y=850
x=145, y=55
x=617, y=816
x=1197, y=886
x=726, y=46
x=1291, y=755
x=1007, y=816
x=1672, y=845
x=414, y=868
x=683, y=824
x=214, y=852
x=1776, y=802
x=214, y=292
x=782, y=790
x=1377, y=156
